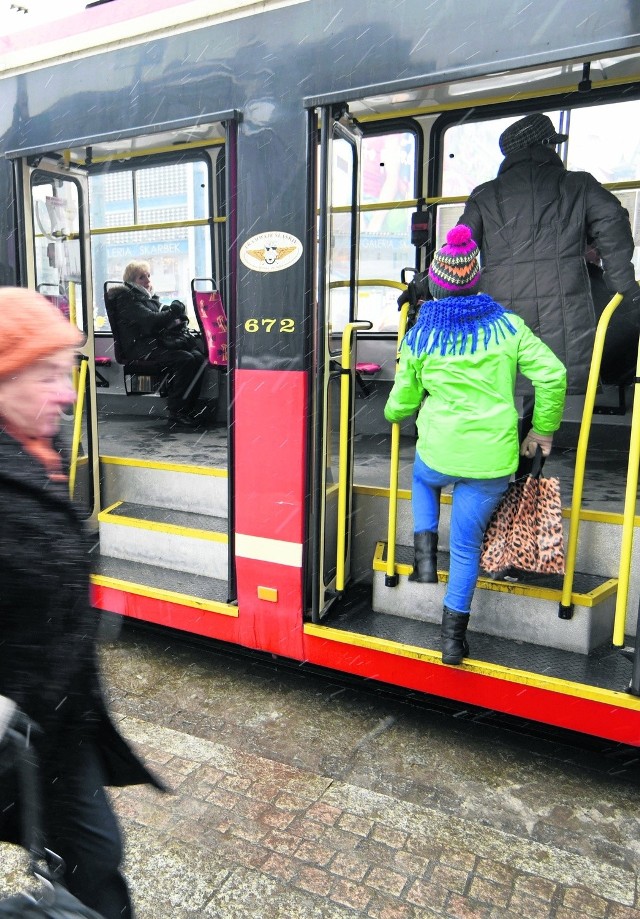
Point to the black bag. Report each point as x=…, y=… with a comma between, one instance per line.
x=178, y=337
x=52, y=900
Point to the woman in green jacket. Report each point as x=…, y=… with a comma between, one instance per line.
x=464, y=352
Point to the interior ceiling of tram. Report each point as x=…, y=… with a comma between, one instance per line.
x=395, y=103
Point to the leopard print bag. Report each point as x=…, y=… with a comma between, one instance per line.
x=525, y=530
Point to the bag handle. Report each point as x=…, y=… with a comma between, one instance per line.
x=536, y=466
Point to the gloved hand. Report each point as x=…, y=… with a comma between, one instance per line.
x=532, y=441
x=405, y=297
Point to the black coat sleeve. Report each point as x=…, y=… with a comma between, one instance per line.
x=608, y=225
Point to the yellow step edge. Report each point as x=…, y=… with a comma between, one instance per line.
x=157, y=593
x=593, y=598
x=107, y=516
x=165, y=467
x=620, y=699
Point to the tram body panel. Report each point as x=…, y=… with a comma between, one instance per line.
x=268, y=73
x=270, y=474
x=610, y=715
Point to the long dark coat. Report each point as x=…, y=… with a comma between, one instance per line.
x=531, y=223
x=138, y=321
x=48, y=660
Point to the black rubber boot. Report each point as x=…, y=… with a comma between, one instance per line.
x=425, y=557
x=454, y=643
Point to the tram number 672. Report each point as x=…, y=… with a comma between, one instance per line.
x=269, y=325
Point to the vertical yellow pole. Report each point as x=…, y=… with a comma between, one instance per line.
x=391, y=579
x=581, y=454
x=343, y=455
x=630, y=498
x=77, y=424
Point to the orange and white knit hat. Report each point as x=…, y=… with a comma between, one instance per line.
x=31, y=328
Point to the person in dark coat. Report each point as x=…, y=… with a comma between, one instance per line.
x=147, y=331
x=48, y=631
x=531, y=223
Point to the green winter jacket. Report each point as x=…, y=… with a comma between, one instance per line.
x=468, y=424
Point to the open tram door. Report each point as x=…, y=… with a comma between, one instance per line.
x=338, y=226
x=55, y=259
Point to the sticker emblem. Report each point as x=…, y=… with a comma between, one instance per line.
x=271, y=251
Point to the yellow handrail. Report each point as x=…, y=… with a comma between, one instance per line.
x=369, y=282
x=390, y=578
x=630, y=498
x=77, y=425
x=581, y=453
x=343, y=455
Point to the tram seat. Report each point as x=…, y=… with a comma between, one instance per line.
x=365, y=372
x=100, y=379
x=212, y=320
x=140, y=377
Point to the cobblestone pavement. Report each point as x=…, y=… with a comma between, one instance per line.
x=296, y=795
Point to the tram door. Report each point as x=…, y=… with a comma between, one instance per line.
x=337, y=299
x=57, y=263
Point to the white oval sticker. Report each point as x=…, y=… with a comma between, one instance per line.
x=271, y=251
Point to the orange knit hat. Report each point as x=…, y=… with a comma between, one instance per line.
x=31, y=328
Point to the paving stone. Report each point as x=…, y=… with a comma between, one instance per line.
x=298, y=797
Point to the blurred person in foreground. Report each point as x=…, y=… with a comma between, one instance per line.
x=464, y=352
x=48, y=654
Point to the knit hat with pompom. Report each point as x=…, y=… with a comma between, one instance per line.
x=455, y=270
x=31, y=328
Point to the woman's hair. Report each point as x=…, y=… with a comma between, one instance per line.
x=133, y=269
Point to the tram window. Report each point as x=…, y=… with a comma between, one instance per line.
x=605, y=141
x=592, y=147
x=388, y=177
x=57, y=258
x=131, y=198
x=471, y=155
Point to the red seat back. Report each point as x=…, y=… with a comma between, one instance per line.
x=212, y=320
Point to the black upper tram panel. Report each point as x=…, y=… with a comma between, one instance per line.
x=268, y=67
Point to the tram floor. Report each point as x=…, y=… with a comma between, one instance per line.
x=604, y=667
x=301, y=795
x=151, y=438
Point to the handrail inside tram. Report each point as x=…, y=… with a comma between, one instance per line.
x=391, y=578
x=80, y=381
x=565, y=610
x=347, y=367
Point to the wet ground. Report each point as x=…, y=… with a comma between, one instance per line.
x=300, y=795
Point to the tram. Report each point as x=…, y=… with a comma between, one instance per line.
x=274, y=153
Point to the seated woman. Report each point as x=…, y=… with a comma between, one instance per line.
x=147, y=331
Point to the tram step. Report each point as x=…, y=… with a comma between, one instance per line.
x=164, y=537
x=196, y=489
x=525, y=610
x=195, y=590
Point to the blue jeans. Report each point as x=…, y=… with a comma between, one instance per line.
x=473, y=502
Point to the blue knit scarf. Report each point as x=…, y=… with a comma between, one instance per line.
x=453, y=324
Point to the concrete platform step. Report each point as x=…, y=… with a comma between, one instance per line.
x=196, y=489
x=165, y=537
x=523, y=610
x=194, y=590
